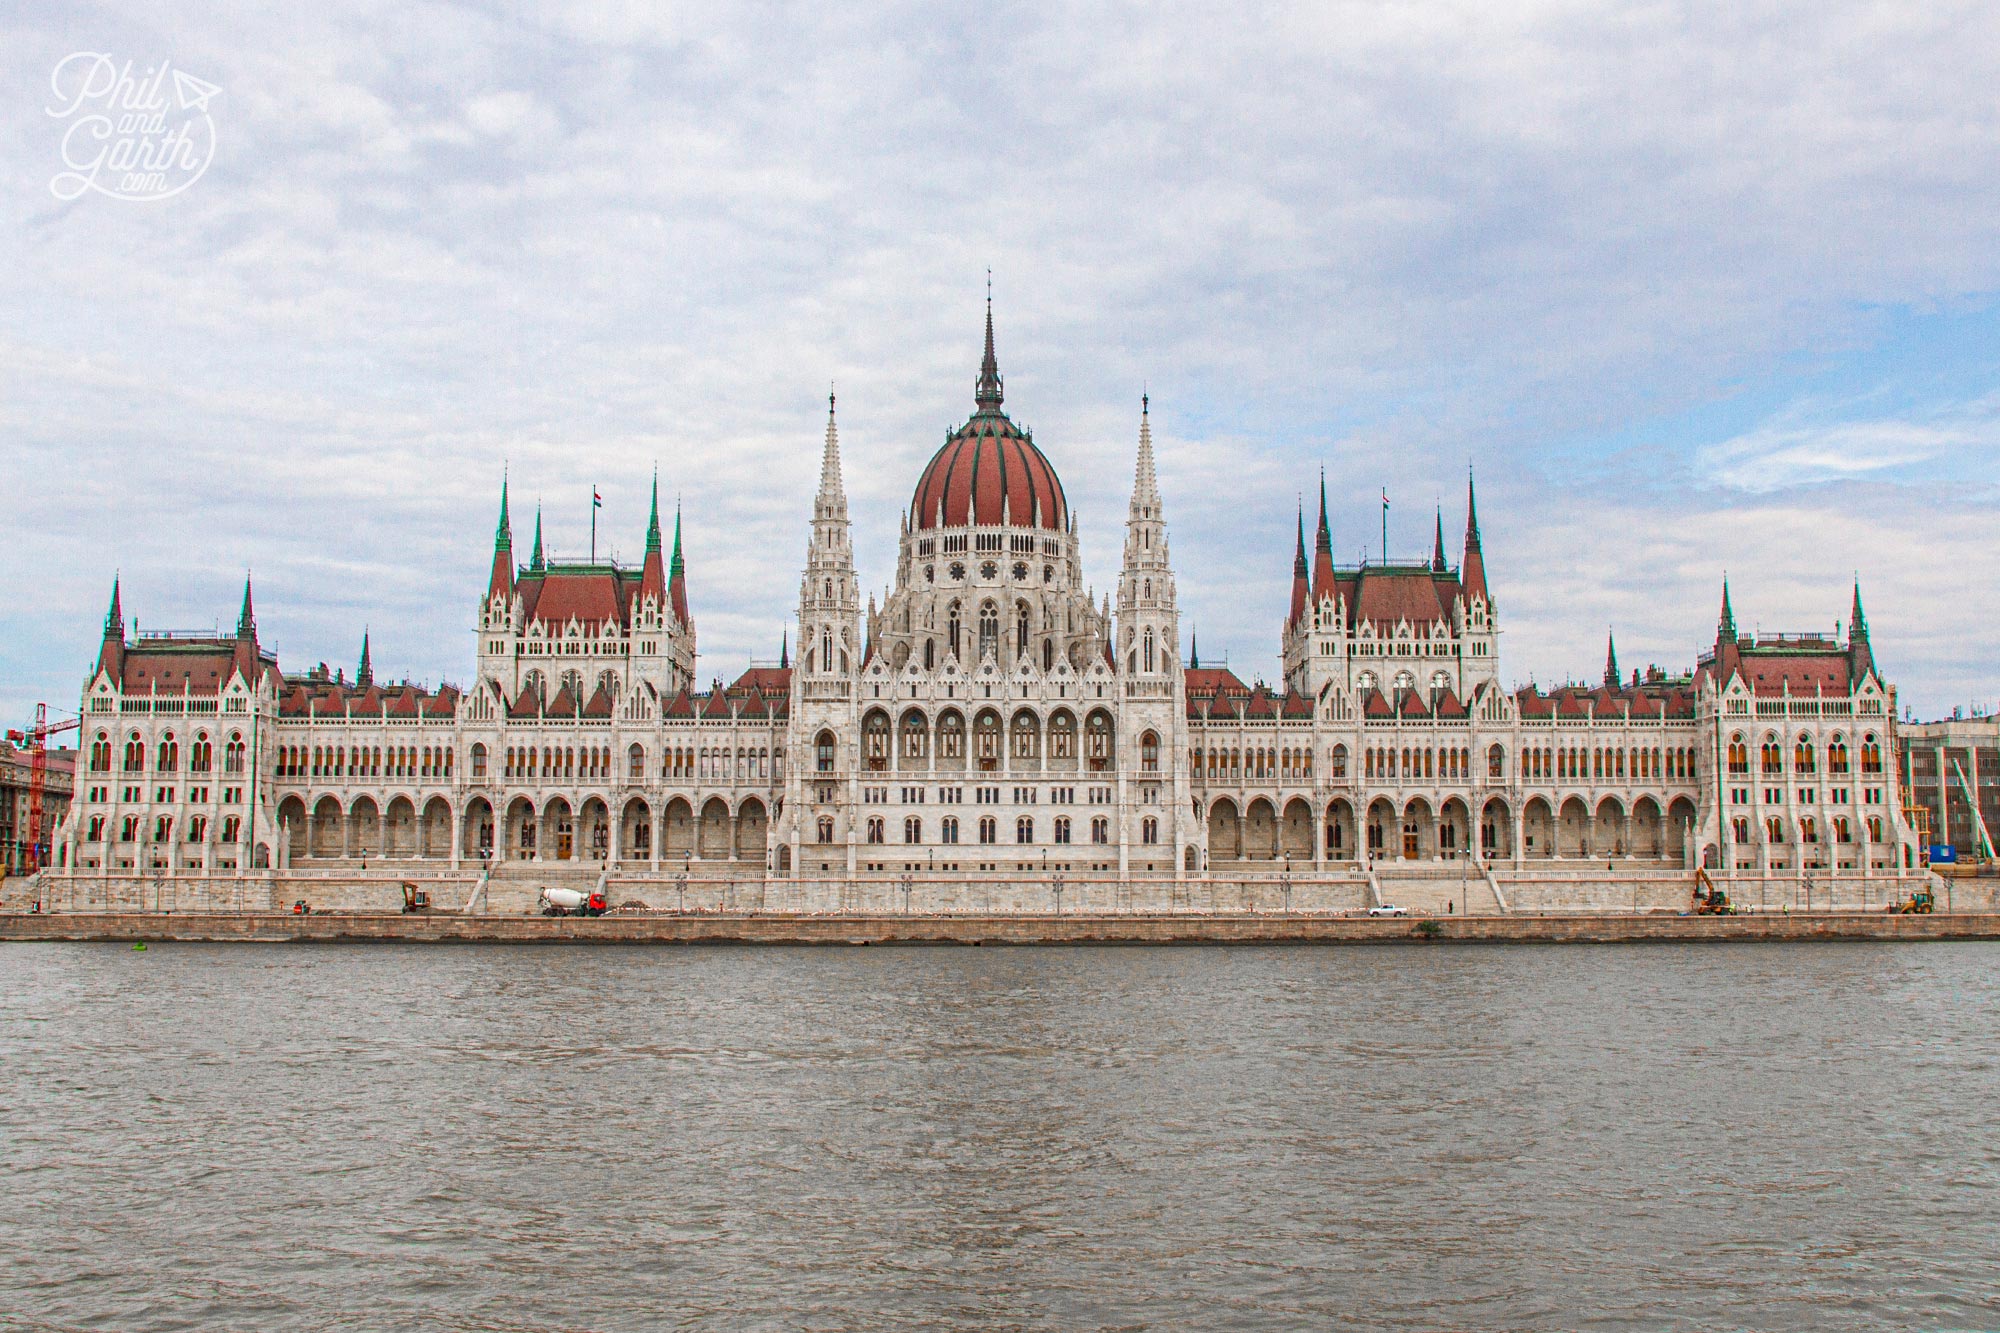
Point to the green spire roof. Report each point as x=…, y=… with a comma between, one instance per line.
x=503, y=534
x=535, y=560
x=653, y=524
x=676, y=569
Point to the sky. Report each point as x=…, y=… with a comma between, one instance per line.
x=1693, y=291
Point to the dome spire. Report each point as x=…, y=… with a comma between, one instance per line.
x=988, y=395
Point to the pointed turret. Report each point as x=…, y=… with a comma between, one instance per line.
x=1610, y=661
x=111, y=657
x=1148, y=623
x=1437, y=549
x=1725, y=630
x=784, y=649
x=1299, y=585
x=246, y=619
x=364, y=675
x=1194, y=652
x=677, y=574
x=652, y=575
x=501, y=582
x=1145, y=482
x=1472, y=572
x=830, y=505
x=1322, y=578
x=535, y=560
x=988, y=395
x=1859, y=651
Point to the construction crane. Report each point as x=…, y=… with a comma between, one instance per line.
x=35, y=740
x=1972, y=799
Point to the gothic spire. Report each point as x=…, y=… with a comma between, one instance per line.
x=503, y=534
x=1299, y=586
x=1322, y=578
x=1194, y=652
x=364, y=675
x=1726, y=630
x=1437, y=550
x=677, y=573
x=501, y=580
x=988, y=395
x=246, y=620
x=1145, y=482
x=831, y=503
x=653, y=524
x=114, y=619
x=1610, y=661
x=1472, y=570
x=1857, y=620
x=784, y=649
x=535, y=560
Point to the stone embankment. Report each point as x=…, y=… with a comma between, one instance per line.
x=878, y=928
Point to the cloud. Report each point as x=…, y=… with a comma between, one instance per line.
x=1396, y=241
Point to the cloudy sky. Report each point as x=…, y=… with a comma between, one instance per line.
x=1691, y=294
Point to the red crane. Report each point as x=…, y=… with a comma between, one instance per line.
x=36, y=740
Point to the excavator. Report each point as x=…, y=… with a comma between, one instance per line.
x=1710, y=898
x=1921, y=902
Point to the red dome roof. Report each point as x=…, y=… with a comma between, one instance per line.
x=987, y=464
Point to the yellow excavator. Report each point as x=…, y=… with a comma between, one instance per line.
x=1710, y=898
x=1921, y=902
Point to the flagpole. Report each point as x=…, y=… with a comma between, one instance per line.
x=593, y=524
x=1385, y=527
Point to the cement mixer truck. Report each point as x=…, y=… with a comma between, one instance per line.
x=570, y=902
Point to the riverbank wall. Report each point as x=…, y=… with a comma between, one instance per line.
x=870, y=929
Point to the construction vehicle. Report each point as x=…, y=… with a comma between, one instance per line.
x=415, y=899
x=35, y=740
x=1710, y=898
x=569, y=902
x=1921, y=902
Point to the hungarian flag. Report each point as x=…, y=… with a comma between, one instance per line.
x=1385, y=500
x=596, y=500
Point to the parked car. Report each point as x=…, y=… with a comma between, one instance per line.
x=1388, y=909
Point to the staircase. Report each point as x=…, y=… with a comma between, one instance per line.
x=1437, y=888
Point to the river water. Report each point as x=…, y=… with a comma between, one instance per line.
x=547, y=1137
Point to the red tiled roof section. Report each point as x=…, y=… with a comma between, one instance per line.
x=1211, y=680
x=988, y=461
x=1806, y=673
x=189, y=669
x=591, y=597
x=1387, y=596
x=767, y=680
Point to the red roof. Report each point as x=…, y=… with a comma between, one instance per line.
x=1805, y=673
x=1211, y=680
x=987, y=463
x=201, y=667
x=769, y=680
x=590, y=594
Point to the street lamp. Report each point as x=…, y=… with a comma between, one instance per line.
x=681, y=883
x=1286, y=880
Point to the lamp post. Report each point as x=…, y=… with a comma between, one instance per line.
x=1286, y=881
x=908, y=882
x=681, y=884
x=1054, y=883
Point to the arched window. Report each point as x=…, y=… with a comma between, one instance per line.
x=100, y=755
x=170, y=753
x=1836, y=759
x=479, y=762
x=913, y=829
x=1100, y=830
x=1149, y=831
x=1773, y=757
x=951, y=629
x=989, y=629
x=1149, y=752
x=823, y=752
x=201, y=754
x=1739, y=757
x=1338, y=761
x=1021, y=629
x=1802, y=758
x=875, y=829
x=989, y=830
x=635, y=762
x=826, y=828
x=1062, y=829
x=1871, y=756
x=1024, y=829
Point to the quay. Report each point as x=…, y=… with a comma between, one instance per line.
x=891, y=928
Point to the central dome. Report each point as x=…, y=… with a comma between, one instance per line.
x=989, y=472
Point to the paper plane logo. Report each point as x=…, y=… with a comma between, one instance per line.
x=126, y=136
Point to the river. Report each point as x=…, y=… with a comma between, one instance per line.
x=549, y=1137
